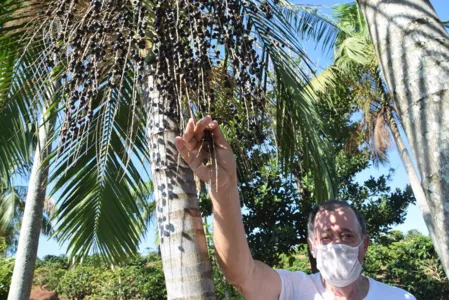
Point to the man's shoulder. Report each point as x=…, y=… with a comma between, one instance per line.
x=388, y=291
x=297, y=275
x=297, y=285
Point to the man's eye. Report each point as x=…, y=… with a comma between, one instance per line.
x=347, y=236
x=324, y=238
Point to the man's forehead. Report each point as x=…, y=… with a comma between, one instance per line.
x=342, y=218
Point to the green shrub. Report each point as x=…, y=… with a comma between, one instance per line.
x=140, y=278
x=81, y=281
x=134, y=282
x=48, y=277
x=6, y=269
x=60, y=261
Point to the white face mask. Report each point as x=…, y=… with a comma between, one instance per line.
x=338, y=263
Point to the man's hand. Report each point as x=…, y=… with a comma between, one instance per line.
x=217, y=167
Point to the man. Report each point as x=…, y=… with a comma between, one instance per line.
x=337, y=235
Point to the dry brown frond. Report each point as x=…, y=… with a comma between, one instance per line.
x=382, y=140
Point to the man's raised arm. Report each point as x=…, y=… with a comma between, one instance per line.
x=254, y=279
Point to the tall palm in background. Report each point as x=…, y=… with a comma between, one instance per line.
x=12, y=206
x=184, y=58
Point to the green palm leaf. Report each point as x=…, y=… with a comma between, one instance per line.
x=294, y=103
x=102, y=197
x=309, y=23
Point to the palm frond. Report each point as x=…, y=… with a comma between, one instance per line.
x=148, y=207
x=11, y=205
x=49, y=215
x=355, y=50
x=355, y=65
x=16, y=137
x=310, y=23
x=16, y=143
x=294, y=103
x=446, y=24
x=382, y=140
x=327, y=78
x=103, y=198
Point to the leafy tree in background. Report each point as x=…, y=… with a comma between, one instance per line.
x=276, y=204
x=410, y=262
x=356, y=33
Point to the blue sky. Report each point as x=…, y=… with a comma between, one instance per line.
x=414, y=219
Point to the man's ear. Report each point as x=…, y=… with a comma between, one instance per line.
x=312, y=250
x=366, y=241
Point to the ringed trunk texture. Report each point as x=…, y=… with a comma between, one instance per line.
x=186, y=263
x=22, y=278
x=413, y=50
x=413, y=177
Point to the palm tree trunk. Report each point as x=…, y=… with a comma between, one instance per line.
x=412, y=47
x=187, y=268
x=26, y=255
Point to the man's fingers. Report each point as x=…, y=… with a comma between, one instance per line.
x=206, y=123
x=201, y=126
x=219, y=138
x=188, y=135
x=183, y=150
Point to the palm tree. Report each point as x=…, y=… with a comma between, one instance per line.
x=12, y=205
x=113, y=196
x=185, y=59
x=412, y=45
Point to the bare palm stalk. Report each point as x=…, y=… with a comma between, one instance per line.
x=32, y=218
x=413, y=177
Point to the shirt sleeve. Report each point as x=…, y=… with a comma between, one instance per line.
x=291, y=284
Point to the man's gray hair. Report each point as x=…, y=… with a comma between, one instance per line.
x=333, y=205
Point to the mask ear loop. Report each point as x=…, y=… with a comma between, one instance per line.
x=314, y=254
x=362, y=242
